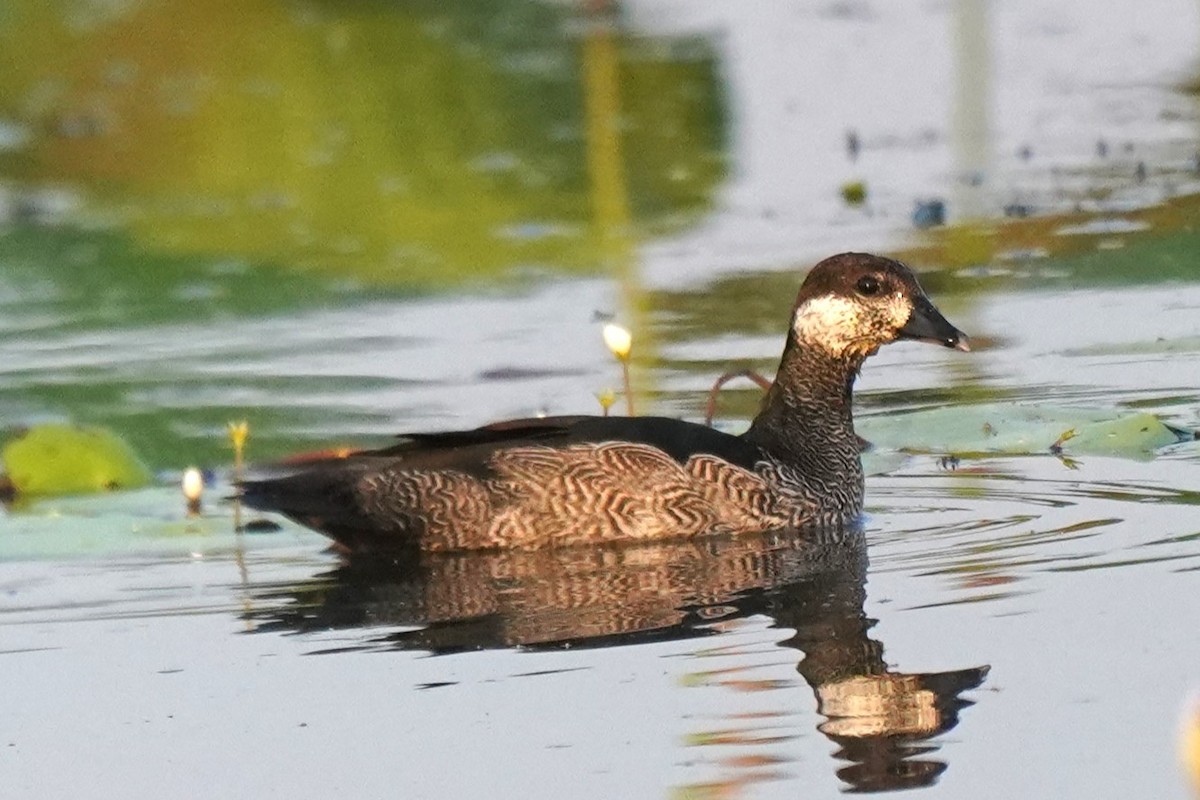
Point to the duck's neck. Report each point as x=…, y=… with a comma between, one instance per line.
x=806, y=419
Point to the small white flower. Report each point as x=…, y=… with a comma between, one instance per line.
x=619, y=340
x=193, y=484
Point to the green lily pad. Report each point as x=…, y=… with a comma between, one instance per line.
x=57, y=459
x=1127, y=435
x=1015, y=429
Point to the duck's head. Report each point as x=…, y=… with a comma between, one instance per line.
x=852, y=304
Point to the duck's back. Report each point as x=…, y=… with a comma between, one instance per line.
x=533, y=483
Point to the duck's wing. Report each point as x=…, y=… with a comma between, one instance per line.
x=470, y=449
x=324, y=494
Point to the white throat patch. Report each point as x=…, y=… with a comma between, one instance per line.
x=839, y=324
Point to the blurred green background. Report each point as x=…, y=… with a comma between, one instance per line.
x=414, y=144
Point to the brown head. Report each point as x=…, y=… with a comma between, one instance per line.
x=853, y=303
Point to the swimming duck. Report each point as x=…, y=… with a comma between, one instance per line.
x=568, y=480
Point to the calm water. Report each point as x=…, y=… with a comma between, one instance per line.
x=192, y=235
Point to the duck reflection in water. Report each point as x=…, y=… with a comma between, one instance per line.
x=600, y=596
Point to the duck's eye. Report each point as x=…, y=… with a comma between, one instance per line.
x=867, y=286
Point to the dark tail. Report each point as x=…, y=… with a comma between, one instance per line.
x=320, y=497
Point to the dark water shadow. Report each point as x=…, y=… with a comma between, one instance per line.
x=881, y=720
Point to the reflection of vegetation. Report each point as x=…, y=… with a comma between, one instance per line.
x=166, y=388
x=1058, y=250
x=98, y=279
x=411, y=143
x=161, y=418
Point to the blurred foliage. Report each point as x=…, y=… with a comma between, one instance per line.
x=407, y=143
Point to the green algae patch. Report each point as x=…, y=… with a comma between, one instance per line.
x=58, y=459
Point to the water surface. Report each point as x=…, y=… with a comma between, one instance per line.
x=223, y=231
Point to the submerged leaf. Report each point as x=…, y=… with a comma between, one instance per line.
x=56, y=459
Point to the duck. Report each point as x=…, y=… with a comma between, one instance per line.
x=577, y=480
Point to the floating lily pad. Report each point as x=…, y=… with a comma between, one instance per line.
x=1008, y=428
x=151, y=522
x=1127, y=435
x=56, y=459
